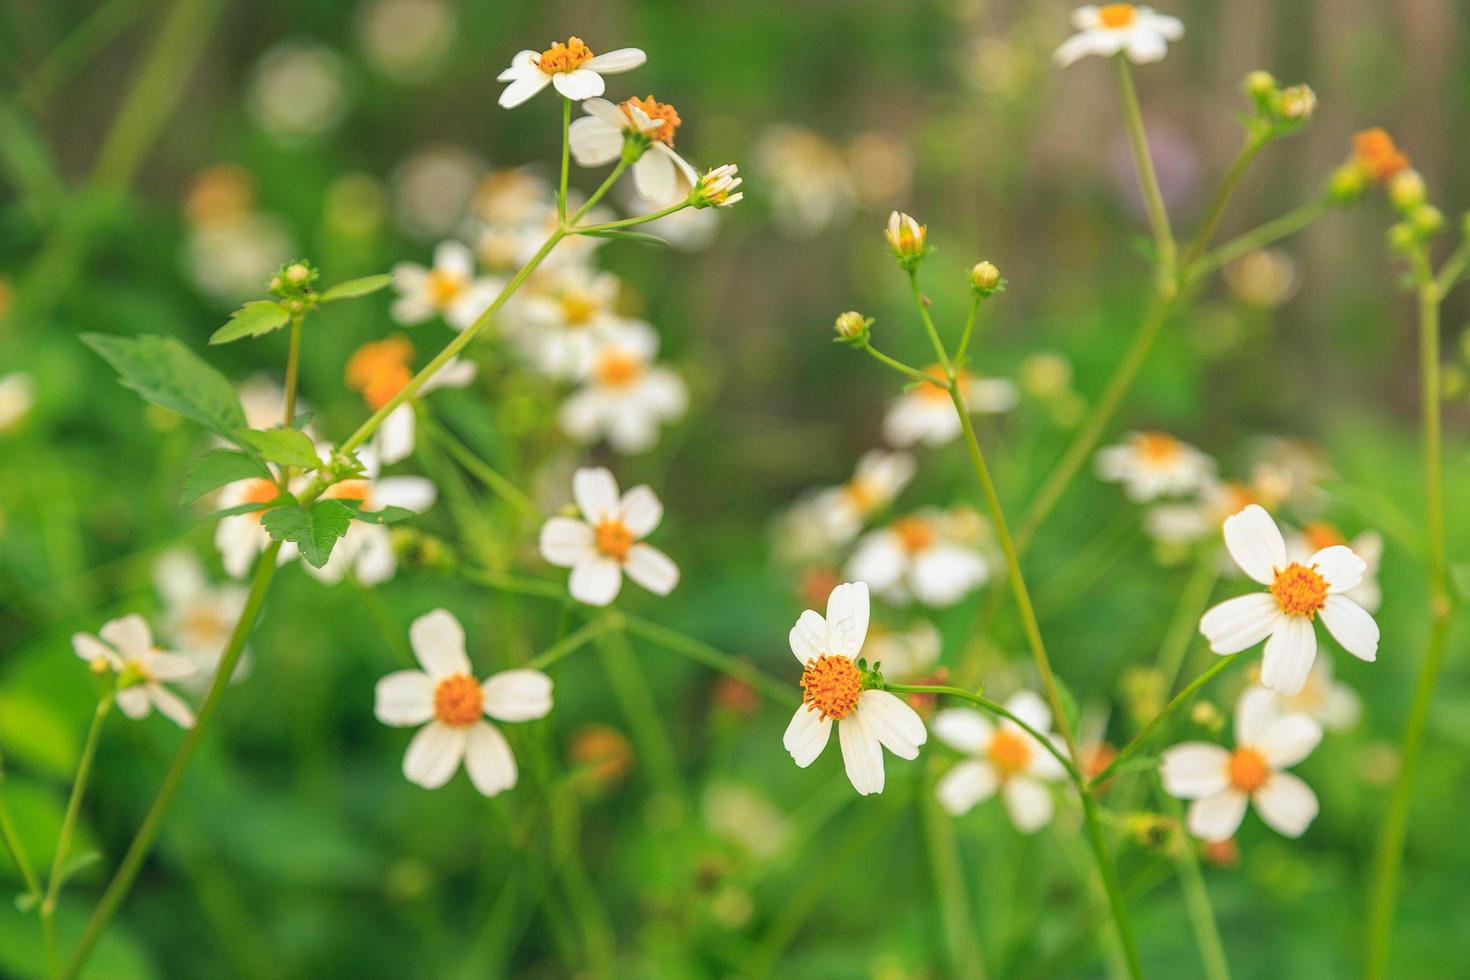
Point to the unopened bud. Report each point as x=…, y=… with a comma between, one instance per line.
x=907, y=238
x=274, y=285
x=1401, y=237
x=985, y=277
x=718, y=188
x=1406, y=190
x=852, y=325
x=297, y=273
x=1427, y=219
x=1259, y=84
x=1298, y=103
x=1207, y=716
x=1348, y=182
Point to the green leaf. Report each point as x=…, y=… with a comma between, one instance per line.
x=289, y=447
x=388, y=515
x=167, y=373
x=353, y=288
x=631, y=236
x=313, y=529
x=258, y=317
x=250, y=508
x=216, y=468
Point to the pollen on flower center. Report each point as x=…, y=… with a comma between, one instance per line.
x=1009, y=752
x=458, y=701
x=1374, y=150
x=564, y=57
x=1248, y=770
x=614, y=539
x=663, y=113
x=831, y=685
x=1156, y=449
x=1299, y=590
x=914, y=534
x=443, y=286
x=616, y=369
x=1115, y=16
x=577, y=308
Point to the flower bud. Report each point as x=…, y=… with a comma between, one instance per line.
x=1406, y=190
x=1348, y=183
x=906, y=237
x=1207, y=716
x=1427, y=220
x=1401, y=237
x=1298, y=103
x=1259, y=84
x=852, y=325
x=297, y=273
x=985, y=277
x=717, y=188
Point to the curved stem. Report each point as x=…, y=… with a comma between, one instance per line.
x=574, y=641
x=480, y=469
x=964, y=347
x=641, y=219
x=929, y=328
x=1206, y=231
x=1148, y=180
x=1259, y=237
x=994, y=707
x=912, y=373
x=702, y=653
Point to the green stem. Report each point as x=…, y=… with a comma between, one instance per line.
x=132, y=861
x=630, y=688
x=1201, y=910
x=629, y=222
x=912, y=373
x=293, y=367
x=1453, y=269
x=702, y=653
x=1148, y=180
x=17, y=852
x=566, y=147
x=1259, y=237
x=964, y=347
x=574, y=641
x=994, y=707
x=597, y=195
x=480, y=469
x=949, y=889
x=1206, y=232
x=929, y=328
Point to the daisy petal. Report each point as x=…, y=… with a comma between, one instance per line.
x=1217, y=817
x=438, y=643
x=1352, y=626
x=170, y=705
x=434, y=754
x=652, y=569
x=596, y=581
x=862, y=755
x=1028, y=802
x=517, y=695
x=128, y=634
x=963, y=729
x=1194, y=770
x=1240, y=623
x=1030, y=708
x=892, y=722
x=1339, y=566
x=641, y=510
x=965, y=785
x=593, y=142
x=565, y=541
x=809, y=636
x=1289, y=655
x=596, y=493
x=1286, y=804
x=580, y=84
x=847, y=619
x=1289, y=740
x=405, y=697
x=522, y=88
x=488, y=760
x=1255, y=543
x=653, y=175
x=807, y=735
x=617, y=61
x=1255, y=713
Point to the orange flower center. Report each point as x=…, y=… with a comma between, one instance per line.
x=564, y=57
x=1248, y=770
x=1320, y=534
x=616, y=369
x=614, y=539
x=1156, y=449
x=1009, y=752
x=663, y=113
x=1115, y=16
x=865, y=495
x=359, y=490
x=443, y=286
x=1375, y=152
x=914, y=534
x=458, y=701
x=259, y=492
x=831, y=685
x=1299, y=590
x=935, y=393
x=204, y=624
x=380, y=370
x=577, y=309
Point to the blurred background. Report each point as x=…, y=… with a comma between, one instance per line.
x=161, y=160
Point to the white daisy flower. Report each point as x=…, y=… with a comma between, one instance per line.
x=1329, y=702
x=877, y=480
x=398, y=435
x=807, y=179
x=607, y=540
x=1003, y=756
x=449, y=289
x=924, y=414
x=366, y=550
x=1295, y=593
x=624, y=396
x=597, y=139
x=451, y=706
x=198, y=618
x=241, y=537
x=125, y=646
x=1113, y=27
x=1187, y=521
x=565, y=315
x=1220, y=782
x=17, y=395
x=571, y=68
x=833, y=690
x=1150, y=465
x=914, y=556
x=1316, y=535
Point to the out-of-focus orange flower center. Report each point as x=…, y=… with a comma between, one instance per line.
x=458, y=701
x=915, y=534
x=259, y=492
x=1299, y=590
x=664, y=114
x=1375, y=152
x=831, y=685
x=1009, y=752
x=1320, y=534
x=380, y=370
x=359, y=490
x=617, y=369
x=614, y=539
x=1248, y=770
x=564, y=57
x=1115, y=16
x=937, y=392
x=444, y=286
x=1156, y=449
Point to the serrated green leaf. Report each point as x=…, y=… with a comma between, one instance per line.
x=631, y=236
x=289, y=447
x=315, y=529
x=257, y=317
x=168, y=374
x=353, y=288
x=216, y=468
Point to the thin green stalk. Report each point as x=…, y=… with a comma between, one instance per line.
x=574, y=641
x=1148, y=180
x=293, y=367
x=949, y=889
x=629, y=222
x=1453, y=269
x=603, y=188
x=923, y=307
x=17, y=852
x=913, y=374
x=964, y=347
x=480, y=469
x=702, y=653
x=1182, y=626
x=519, y=584
x=122, y=879
x=1206, y=232
x=630, y=688
x=994, y=707
x=1201, y=910
x=566, y=146
x=1259, y=237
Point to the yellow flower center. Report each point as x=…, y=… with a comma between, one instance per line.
x=380, y=370
x=1009, y=752
x=665, y=114
x=458, y=701
x=616, y=369
x=831, y=685
x=1375, y=152
x=560, y=58
x=1299, y=590
x=865, y=495
x=204, y=624
x=1320, y=534
x=614, y=539
x=1116, y=16
x=1156, y=449
x=577, y=308
x=443, y=287
x=914, y=534
x=1248, y=770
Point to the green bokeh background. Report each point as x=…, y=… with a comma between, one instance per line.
x=296, y=847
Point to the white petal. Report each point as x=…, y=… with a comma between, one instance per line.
x=893, y=722
x=134, y=702
x=434, y=754
x=807, y=735
x=653, y=175
x=964, y=729
x=438, y=643
x=1146, y=47
x=517, y=695
x=455, y=257
x=1194, y=769
x=1028, y=802
x=847, y=619
x=1240, y=623
x=167, y=666
x=596, y=493
x=617, y=61
x=89, y=648
x=594, y=143
x=1031, y=708
x=879, y=560
x=583, y=83
x=1255, y=713
x=1217, y=817
x=652, y=569
x=1289, y=740
x=395, y=439
x=607, y=113
x=523, y=62
x=413, y=492
x=862, y=755
x=409, y=310
x=595, y=581
x=1255, y=543
x=1172, y=28
x=641, y=510
x=373, y=561
x=488, y=760
x=965, y=785
x=1287, y=804
x=1339, y=566
x=129, y=635
x=405, y=697
x=170, y=705
x=523, y=88
x=945, y=572
x=1352, y=626
x=565, y=541
x=1289, y=655
x=809, y=636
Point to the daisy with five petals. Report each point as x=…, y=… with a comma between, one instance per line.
x=1111, y=28
x=571, y=68
x=125, y=647
x=607, y=540
x=1003, y=757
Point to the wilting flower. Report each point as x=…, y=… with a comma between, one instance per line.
x=607, y=541
x=17, y=395
x=835, y=689
x=198, y=617
x=1154, y=464
x=917, y=556
x=1295, y=593
x=1113, y=27
x=125, y=647
x=624, y=395
x=1220, y=782
x=1003, y=756
x=380, y=370
x=925, y=414
x=451, y=706
x=366, y=550
x=450, y=288
x=598, y=138
x=571, y=68
x=875, y=483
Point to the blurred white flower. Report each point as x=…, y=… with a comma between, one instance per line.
x=232, y=261
x=924, y=414
x=451, y=705
x=449, y=288
x=17, y=395
x=297, y=91
x=915, y=557
x=1113, y=27
x=741, y=814
x=432, y=190
x=1003, y=756
x=571, y=68
x=807, y=180
x=1266, y=277
x=1221, y=782
x=624, y=396
x=406, y=39
x=597, y=140
x=381, y=369
x=1295, y=594
x=1150, y=465
x=564, y=316
x=904, y=655
x=607, y=540
x=366, y=550
x=1329, y=702
x=875, y=483
x=510, y=197
x=240, y=537
x=198, y=617
x=125, y=647
x=833, y=690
